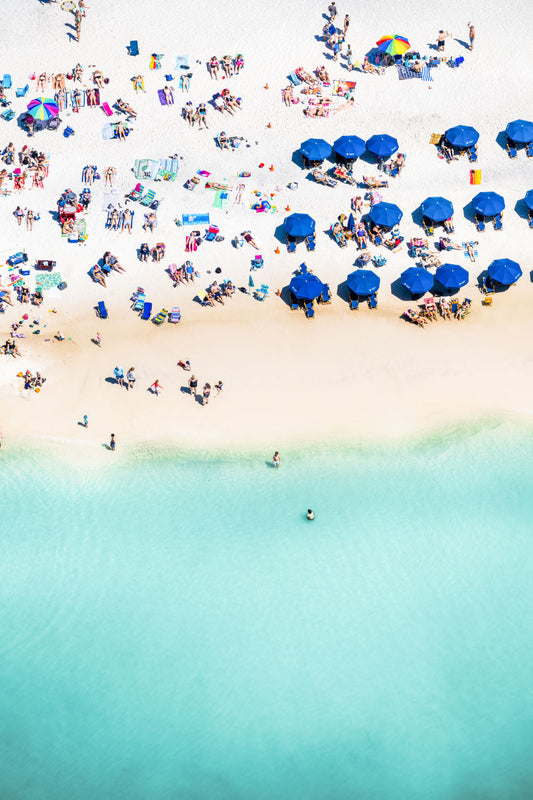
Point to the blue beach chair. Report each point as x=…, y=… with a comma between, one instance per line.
x=309, y=310
x=291, y=246
x=325, y=297
x=372, y=300
x=497, y=222
x=529, y=149
x=354, y=302
x=133, y=47
x=295, y=304
x=148, y=198
x=511, y=149
x=102, y=310
x=6, y=81
x=22, y=92
x=480, y=223
x=147, y=310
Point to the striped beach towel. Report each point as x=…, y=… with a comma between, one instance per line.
x=404, y=72
x=426, y=74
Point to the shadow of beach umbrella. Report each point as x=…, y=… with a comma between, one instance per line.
x=528, y=199
x=363, y=282
x=306, y=287
x=488, y=203
x=437, y=209
x=386, y=215
x=393, y=45
x=451, y=276
x=43, y=108
x=462, y=136
x=299, y=225
x=520, y=131
x=382, y=145
x=349, y=147
x=505, y=271
x=416, y=280
x=315, y=149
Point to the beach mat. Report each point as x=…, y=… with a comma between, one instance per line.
x=48, y=280
x=426, y=74
x=404, y=73
x=475, y=177
x=162, y=98
x=108, y=131
x=110, y=199
x=195, y=219
x=182, y=62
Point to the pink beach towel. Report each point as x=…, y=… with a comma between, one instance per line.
x=107, y=109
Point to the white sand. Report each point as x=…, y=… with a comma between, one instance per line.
x=344, y=375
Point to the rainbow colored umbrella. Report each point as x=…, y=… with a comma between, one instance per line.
x=43, y=108
x=393, y=45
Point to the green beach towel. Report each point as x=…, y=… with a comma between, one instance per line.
x=48, y=281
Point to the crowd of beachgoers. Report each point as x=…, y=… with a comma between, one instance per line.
x=142, y=202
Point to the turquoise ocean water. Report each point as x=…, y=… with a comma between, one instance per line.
x=172, y=626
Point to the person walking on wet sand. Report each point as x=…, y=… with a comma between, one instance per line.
x=471, y=35
x=112, y=443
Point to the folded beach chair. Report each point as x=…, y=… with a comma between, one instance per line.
x=135, y=193
x=133, y=48
x=497, y=222
x=529, y=149
x=22, y=92
x=175, y=315
x=309, y=310
x=102, y=310
x=511, y=149
x=6, y=81
x=106, y=108
x=354, y=301
x=148, y=198
x=291, y=246
x=428, y=227
x=147, y=310
x=372, y=300
x=325, y=297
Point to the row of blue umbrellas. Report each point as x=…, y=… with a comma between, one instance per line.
x=417, y=280
x=350, y=147
x=382, y=145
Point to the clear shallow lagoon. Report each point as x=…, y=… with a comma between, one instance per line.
x=173, y=627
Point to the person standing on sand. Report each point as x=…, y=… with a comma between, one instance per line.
x=193, y=385
x=85, y=421
x=441, y=41
x=471, y=34
x=332, y=9
x=130, y=377
x=206, y=393
x=276, y=459
x=346, y=24
x=112, y=443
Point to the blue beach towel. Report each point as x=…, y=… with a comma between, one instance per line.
x=108, y=131
x=195, y=219
x=404, y=72
x=426, y=74
x=182, y=62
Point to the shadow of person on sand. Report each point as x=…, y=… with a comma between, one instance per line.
x=464, y=44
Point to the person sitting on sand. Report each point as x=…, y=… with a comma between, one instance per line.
x=98, y=78
x=213, y=67
x=223, y=142
x=150, y=221
x=229, y=289
x=98, y=275
x=216, y=292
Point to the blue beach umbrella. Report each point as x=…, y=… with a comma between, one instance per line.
x=488, y=203
x=528, y=199
x=299, y=225
x=306, y=287
x=315, y=149
x=349, y=147
x=451, y=276
x=437, y=209
x=505, y=271
x=416, y=280
x=363, y=282
x=462, y=136
x=520, y=131
x=382, y=145
x=387, y=215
